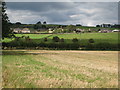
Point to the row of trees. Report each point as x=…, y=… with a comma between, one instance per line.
x=109, y=25
x=59, y=44
x=57, y=39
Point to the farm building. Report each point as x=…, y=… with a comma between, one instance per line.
x=79, y=30
x=17, y=30
x=20, y=30
x=25, y=30
x=104, y=31
x=50, y=31
x=116, y=30
x=106, y=25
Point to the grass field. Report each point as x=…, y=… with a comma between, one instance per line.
x=60, y=69
x=98, y=37
x=32, y=36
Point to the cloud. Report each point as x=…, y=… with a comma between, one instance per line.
x=23, y=16
x=85, y=13
x=62, y=1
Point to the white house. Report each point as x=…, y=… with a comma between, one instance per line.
x=103, y=31
x=116, y=30
x=17, y=30
x=20, y=30
x=25, y=30
x=50, y=31
x=79, y=30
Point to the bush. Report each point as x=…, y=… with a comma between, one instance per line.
x=5, y=44
x=42, y=44
x=74, y=40
x=56, y=39
x=103, y=46
x=45, y=39
x=62, y=46
x=73, y=46
x=91, y=41
x=62, y=40
x=89, y=46
x=65, y=31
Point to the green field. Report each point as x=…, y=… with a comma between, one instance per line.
x=60, y=69
x=98, y=37
x=83, y=38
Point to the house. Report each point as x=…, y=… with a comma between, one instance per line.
x=104, y=31
x=20, y=30
x=25, y=30
x=116, y=30
x=89, y=30
x=79, y=30
x=17, y=30
x=50, y=31
x=106, y=25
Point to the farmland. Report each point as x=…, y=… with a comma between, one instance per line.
x=101, y=41
x=60, y=69
x=98, y=37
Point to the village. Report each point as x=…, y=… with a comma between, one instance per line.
x=64, y=30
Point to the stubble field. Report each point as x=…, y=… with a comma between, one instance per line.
x=59, y=69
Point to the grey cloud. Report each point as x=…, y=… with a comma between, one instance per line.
x=86, y=13
x=40, y=6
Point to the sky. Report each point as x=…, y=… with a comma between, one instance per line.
x=84, y=13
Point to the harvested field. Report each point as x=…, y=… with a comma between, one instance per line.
x=60, y=69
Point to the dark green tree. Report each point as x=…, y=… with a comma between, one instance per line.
x=43, y=26
x=78, y=25
x=71, y=28
x=91, y=41
x=62, y=39
x=44, y=22
x=18, y=23
x=6, y=31
x=36, y=26
x=45, y=39
x=74, y=40
x=38, y=22
x=56, y=39
x=97, y=25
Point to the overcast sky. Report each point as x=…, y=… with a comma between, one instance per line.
x=87, y=13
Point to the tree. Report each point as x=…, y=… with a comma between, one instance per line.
x=62, y=39
x=91, y=41
x=71, y=28
x=97, y=25
x=75, y=40
x=78, y=25
x=44, y=22
x=38, y=22
x=109, y=25
x=45, y=39
x=56, y=39
x=43, y=26
x=6, y=31
x=18, y=23
x=35, y=26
